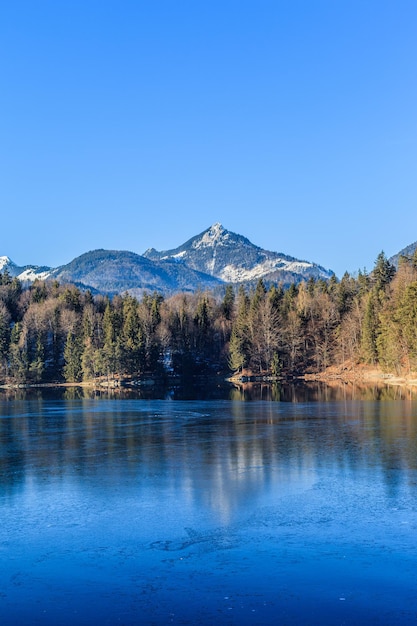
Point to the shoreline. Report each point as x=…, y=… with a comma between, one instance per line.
x=361, y=374
x=345, y=374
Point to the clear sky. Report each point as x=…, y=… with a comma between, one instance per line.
x=127, y=124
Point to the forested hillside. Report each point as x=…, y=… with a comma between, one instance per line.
x=56, y=332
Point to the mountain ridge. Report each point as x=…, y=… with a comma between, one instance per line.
x=210, y=259
x=114, y=272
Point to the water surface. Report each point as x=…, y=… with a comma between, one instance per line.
x=127, y=511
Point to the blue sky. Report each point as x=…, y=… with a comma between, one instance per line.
x=128, y=124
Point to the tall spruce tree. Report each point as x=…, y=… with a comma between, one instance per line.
x=72, y=356
x=228, y=302
x=383, y=272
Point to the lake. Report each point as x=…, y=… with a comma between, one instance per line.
x=251, y=506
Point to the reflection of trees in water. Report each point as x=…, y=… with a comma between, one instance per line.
x=221, y=452
x=217, y=388
x=319, y=392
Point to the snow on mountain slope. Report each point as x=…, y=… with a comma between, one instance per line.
x=26, y=273
x=234, y=274
x=5, y=263
x=33, y=273
x=215, y=235
x=205, y=261
x=233, y=258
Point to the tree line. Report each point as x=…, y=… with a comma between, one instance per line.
x=55, y=332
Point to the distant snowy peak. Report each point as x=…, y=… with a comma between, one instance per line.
x=233, y=258
x=6, y=264
x=215, y=235
x=26, y=273
x=206, y=261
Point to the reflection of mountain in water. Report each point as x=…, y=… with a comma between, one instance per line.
x=219, y=453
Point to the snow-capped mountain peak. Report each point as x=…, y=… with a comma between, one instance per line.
x=233, y=258
x=5, y=262
x=212, y=258
x=215, y=235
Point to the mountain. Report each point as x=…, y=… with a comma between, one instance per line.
x=114, y=272
x=233, y=258
x=209, y=260
x=407, y=251
x=25, y=273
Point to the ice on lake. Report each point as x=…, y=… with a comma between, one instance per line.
x=203, y=512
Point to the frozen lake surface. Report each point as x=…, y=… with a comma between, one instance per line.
x=208, y=512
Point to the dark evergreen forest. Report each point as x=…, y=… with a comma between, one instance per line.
x=51, y=332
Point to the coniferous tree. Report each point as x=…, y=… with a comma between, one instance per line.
x=4, y=337
x=37, y=363
x=111, y=350
x=228, y=302
x=18, y=360
x=275, y=295
x=407, y=320
x=370, y=329
x=72, y=354
x=133, y=347
x=239, y=340
x=48, y=331
x=383, y=272
x=237, y=356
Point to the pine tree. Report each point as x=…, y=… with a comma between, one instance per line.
x=72, y=355
x=237, y=356
x=239, y=340
x=202, y=331
x=259, y=294
x=228, y=302
x=18, y=360
x=383, y=272
x=111, y=351
x=133, y=345
x=4, y=336
x=370, y=329
x=275, y=295
x=407, y=320
x=5, y=278
x=364, y=282
x=37, y=364
x=88, y=361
